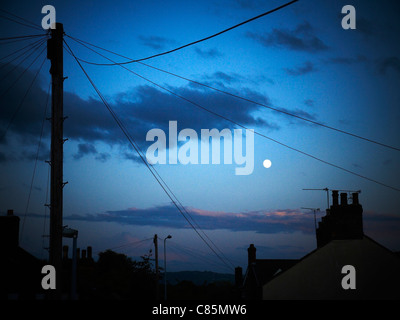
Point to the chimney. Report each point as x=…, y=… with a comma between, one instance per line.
x=251, y=253
x=355, y=198
x=343, y=199
x=83, y=254
x=89, y=252
x=344, y=221
x=238, y=277
x=9, y=231
x=335, y=198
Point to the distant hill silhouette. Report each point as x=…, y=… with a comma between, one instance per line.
x=199, y=277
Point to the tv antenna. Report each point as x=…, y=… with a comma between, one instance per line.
x=327, y=194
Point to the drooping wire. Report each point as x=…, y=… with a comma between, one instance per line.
x=197, y=41
x=34, y=48
x=16, y=51
x=183, y=250
x=22, y=37
x=138, y=151
x=26, y=93
x=128, y=244
x=188, y=214
x=36, y=160
x=255, y=132
x=28, y=23
x=20, y=23
x=237, y=96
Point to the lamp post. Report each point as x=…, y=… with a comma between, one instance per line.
x=71, y=233
x=165, y=267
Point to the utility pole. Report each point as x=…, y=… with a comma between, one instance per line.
x=165, y=266
x=155, y=240
x=55, y=54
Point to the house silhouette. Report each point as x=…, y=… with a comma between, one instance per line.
x=20, y=272
x=321, y=274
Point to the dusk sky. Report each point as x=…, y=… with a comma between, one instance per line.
x=298, y=60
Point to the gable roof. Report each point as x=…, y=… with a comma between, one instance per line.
x=318, y=274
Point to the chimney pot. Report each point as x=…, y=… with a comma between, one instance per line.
x=10, y=212
x=335, y=197
x=251, y=252
x=343, y=199
x=89, y=252
x=238, y=277
x=355, y=198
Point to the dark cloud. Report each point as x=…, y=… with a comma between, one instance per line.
x=388, y=63
x=365, y=26
x=307, y=67
x=208, y=54
x=300, y=39
x=103, y=156
x=224, y=79
x=84, y=149
x=141, y=109
x=155, y=42
x=274, y=221
x=346, y=60
x=309, y=102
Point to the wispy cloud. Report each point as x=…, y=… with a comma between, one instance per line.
x=208, y=54
x=84, y=149
x=87, y=149
x=155, y=42
x=273, y=221
x=302, y=38
x=389, y=63
x=307, y=67
x=346, y=60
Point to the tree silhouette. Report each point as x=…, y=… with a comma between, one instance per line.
x=116, y=276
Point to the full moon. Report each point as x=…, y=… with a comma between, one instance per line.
x=267, y=163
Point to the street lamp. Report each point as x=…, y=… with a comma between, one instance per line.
x=165, y=268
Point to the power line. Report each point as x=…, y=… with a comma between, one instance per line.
x=197, y=41
x=26, y=93
x=255, y=132
x=20, y=23
x=196, y=254
x=34, y=48
x=131, y=243
x=23, y=37
x=184, y=209
x=237, y=96
x=137, y=149
x=16, y=51
x=31, y=24
x=36, y=160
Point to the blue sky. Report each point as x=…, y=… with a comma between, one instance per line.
x=298, y=59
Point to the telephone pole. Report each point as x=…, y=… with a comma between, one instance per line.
x=155, y=240
x=55, y=55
